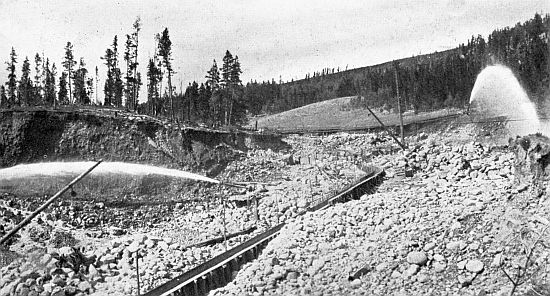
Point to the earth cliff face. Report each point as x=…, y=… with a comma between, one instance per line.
x=35, y=136
x=123, y=200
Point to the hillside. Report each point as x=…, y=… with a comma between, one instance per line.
x=335, y=115
x=426, y=82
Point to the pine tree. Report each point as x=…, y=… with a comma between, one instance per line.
x=62, y=94
x=118, y=85
x=213, y=77
x=128, y=92
x=3, y=97
x=154, y=75
x=232, y=88
x=108, y=89
x=119, y=88
x=96, y=84
x=191, y=97
x=137, y=88
x=25, y=84
x=38, y=79
x=136, y=77
x=69, y=63
x=165, y=51
x=226, y=69
x=202, y=105
x=236, y=106
x=12, y=80
x=235, y=72
x=49, y=85
x=226, y=94
x=114, y=85
x=131, y=89
x=81, y=93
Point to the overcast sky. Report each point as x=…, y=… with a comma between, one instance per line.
x=272, y=38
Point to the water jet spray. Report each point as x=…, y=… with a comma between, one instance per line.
x=497, y=92
x=47, y=203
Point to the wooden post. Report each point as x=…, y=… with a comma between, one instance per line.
x=256, y=214
x=47, y=203
x=224, y=226
x=137, y=274
x=399, y=106
x=385, y=128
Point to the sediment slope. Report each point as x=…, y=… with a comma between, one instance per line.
x=32, y=136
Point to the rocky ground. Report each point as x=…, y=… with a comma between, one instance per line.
x=65, y=245
x=442, y=232
x=449, y=230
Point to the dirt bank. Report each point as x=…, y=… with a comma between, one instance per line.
x=33, y=136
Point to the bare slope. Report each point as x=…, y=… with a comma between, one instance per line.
x=330, y=115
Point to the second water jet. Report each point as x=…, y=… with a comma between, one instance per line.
x=498, y=93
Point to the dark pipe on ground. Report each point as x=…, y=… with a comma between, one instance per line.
x=47, y=203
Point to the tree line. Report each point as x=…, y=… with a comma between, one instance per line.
x=75, y=84
x=426, y=82
x=217, y=101
x=436, y=80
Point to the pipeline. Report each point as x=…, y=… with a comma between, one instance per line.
x=47, y=203
x=218, y=271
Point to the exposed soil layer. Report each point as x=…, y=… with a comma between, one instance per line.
x=123, y=201
x=32, y=136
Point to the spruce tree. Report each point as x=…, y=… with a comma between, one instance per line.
x=12, y=80
x=235, y=72
x=236, y=106
x=136, y=78
x=226, y=94
x=226, y=69
x=3, y=97
x=25, y=84
x=80, y=88
x=62, y=94
x=154, y=75
x=119, y=88
x=49, y=85
x=38, y=79
x=69, y=63
x=114, y=86
x=128, y=92
x=202, y=104
x=131, y=89
x=96, y=84
x=108, y=88
x=165, y=51
x=213, y=77
x=117, y=84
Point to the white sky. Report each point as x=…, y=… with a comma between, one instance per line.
x=287, y=38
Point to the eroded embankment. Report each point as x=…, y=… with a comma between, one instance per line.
x=33, y=136
x=122, y=200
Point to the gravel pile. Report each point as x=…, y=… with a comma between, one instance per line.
x=443, y=232
x=166, y=248
x=439, y=232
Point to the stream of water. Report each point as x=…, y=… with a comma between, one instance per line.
x=105, y=168
x=497, y=92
